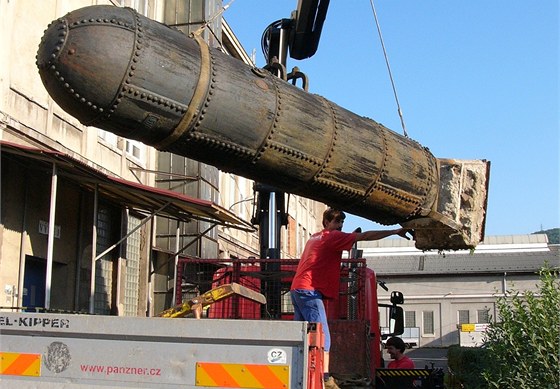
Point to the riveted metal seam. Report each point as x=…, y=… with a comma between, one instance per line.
x=326, y=159
x=127, y=78
x=317, y=178
x=268, y=138
x=293, y=152
x=375, y=183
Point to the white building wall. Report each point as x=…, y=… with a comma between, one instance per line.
x=26, y=106
x=448, y=292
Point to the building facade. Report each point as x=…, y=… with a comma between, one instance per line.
x=93, y=222
x=443, y=291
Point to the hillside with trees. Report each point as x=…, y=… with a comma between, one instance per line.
x=553, y=235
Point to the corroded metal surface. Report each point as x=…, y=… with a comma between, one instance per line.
x=115, y=69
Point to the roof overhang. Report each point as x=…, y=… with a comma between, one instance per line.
x=144, y=198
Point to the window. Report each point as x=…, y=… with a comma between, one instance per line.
x=428, y=323
x=141, y=7
x=230, y=191
x=463, y=316
x=410, y=319
x=483, y=316
x=108, y=137
x=132, y=263
x=302, y=238
x=103, y=266
x=135, y=149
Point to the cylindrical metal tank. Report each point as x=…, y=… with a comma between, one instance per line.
x=112, y=68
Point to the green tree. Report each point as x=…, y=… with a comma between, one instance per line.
x=553, y=235
x=523, y=347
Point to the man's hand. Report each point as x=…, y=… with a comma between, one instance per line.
x=375, y=235
x=403, y=231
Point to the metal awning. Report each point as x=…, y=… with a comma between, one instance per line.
x=127, y=193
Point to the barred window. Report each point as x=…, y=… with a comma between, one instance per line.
x=410, y=318
x=483, y=316
x=132, y=279
x=428, y=323
x=104, y=266
x=463, y=316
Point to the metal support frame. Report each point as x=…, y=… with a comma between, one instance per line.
x=95, y=258
x=176, y=275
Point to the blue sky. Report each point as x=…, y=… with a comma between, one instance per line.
x=475, y=80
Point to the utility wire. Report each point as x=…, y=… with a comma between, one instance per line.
x=389, y=69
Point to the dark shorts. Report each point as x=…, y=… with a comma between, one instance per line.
x=308, y=306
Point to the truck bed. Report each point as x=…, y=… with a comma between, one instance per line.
x=64, y=350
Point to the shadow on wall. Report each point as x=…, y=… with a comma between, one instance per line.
x=446, y=340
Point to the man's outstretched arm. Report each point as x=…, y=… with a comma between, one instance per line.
x=380, y=234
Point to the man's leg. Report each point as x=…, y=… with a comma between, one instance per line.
x=308, y=306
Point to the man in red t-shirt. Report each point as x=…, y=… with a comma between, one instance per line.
x=318, y=273
x=395, y=347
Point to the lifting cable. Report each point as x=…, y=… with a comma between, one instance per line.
x=389, y=69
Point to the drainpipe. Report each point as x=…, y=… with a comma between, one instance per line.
x=93, y=251
x=50, y=246
x=23, y=241
x=176, y=262
x=149, y=269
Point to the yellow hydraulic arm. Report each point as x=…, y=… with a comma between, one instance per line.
x=196, y=304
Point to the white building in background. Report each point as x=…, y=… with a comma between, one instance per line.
x=444, y=291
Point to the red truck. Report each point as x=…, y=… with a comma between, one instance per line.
x=354, y=317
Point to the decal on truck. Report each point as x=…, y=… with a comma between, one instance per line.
x=57, y=359
x=120, y=370
x=31, y=321
x=20, y=364
x=277, y=355
x=242, y=375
